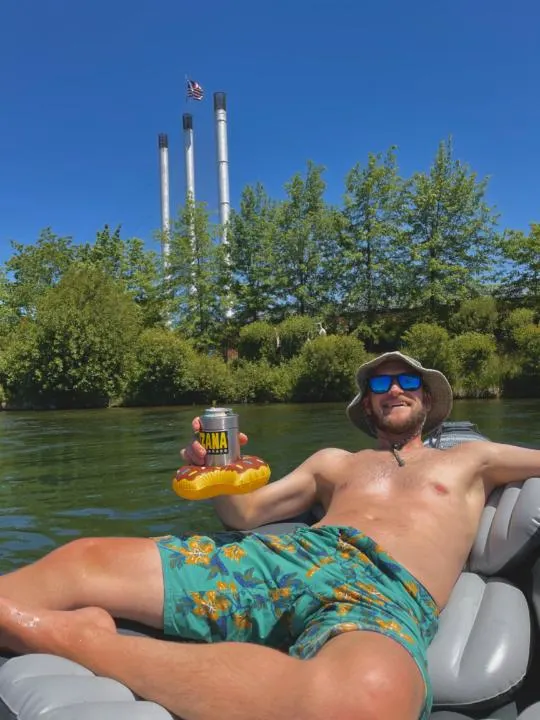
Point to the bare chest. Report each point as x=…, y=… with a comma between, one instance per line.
x=378, y=475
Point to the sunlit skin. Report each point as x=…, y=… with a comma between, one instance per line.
x=425, y=513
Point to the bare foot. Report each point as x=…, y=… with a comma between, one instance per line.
x=51, y=631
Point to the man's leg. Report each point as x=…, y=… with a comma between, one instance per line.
x=356, y=675
x=121, y=575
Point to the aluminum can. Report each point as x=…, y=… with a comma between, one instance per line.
x=219, y=436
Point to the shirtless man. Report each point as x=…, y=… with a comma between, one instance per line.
x=329, y=622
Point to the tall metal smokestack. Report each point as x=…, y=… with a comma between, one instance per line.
x=187, y=122
x=163, y=143
x=220, y=111
x=189, y=156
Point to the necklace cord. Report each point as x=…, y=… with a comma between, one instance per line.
x=400, y=461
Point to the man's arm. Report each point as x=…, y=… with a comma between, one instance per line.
x=501, y=464
x=291, y=495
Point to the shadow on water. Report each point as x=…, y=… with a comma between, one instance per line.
x=108, y=472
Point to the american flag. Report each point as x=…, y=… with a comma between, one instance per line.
x=194, y=90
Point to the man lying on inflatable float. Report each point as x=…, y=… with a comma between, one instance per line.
x=329, y=621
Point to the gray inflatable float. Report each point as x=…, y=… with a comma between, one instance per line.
x=483, y=661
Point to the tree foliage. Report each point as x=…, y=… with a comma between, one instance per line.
x=79, y=349
x=450, y=232
x=305, y=246
x=520, y=274
x=194, y=282
x=34, y=269
x=288, y=304
x=370, y=271
x=253, y=255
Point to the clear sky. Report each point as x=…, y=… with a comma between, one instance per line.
x=85, y=88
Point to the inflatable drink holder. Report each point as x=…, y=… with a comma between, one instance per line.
x=226, y=472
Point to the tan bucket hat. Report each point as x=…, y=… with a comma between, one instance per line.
x=438, y=386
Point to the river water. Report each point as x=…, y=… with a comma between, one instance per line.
x=108, y=472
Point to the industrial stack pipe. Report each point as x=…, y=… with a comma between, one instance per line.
x=163, y=144
x=220, y=112
x=189, y=165
x=189, y=154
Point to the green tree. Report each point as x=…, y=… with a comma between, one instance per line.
x=8, y=315
x=197, y=296
x=33, y=269
x=450, y=235
x=306, y=246
x=136, y=268
x=79, y=350
x=19, y=357
x=251, y=239
x=371, y=269
x=520, y=273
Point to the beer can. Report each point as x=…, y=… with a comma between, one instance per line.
x=219, y=436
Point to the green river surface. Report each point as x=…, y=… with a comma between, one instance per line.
x=108, y=472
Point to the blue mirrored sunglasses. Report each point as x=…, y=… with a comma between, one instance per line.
x=383, y=383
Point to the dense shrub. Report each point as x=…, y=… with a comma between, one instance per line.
x=18, y=359
x=429, y=343
x=293, y=332
x=213, y=381
x=513, y=325
x=475, y=315
x=524, y=381
x=327, y=368
x=261, y=382
x=258, y=341
x=165, y=373
x=79, y=352
x=478, y=368
x=368, y=332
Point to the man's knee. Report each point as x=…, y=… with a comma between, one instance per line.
x=82, y=557
x=372, y=695
x=382, y=694
x=362, y=674
x=82, y=549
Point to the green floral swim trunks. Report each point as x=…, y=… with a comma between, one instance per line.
x=293, y=592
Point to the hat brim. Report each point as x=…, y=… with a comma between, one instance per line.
x=439, y=390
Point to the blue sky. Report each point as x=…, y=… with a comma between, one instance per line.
x=85, y=88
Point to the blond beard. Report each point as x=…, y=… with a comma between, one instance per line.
x=410, y=427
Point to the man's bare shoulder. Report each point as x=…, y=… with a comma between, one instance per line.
x=473, y=449
x=328, y=460
x=321, y=460
x=331, y=454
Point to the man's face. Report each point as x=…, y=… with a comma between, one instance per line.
x=397, y=411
